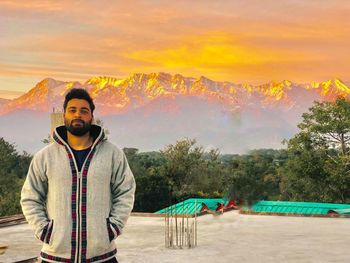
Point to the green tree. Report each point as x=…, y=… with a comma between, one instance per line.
x=207, y=177
x=13, y=169
x=152, y=193
x=132, y=154
x=254, y=176
x=153, y=189
x=47, y=140
x=328, y=125
x=181, y=159
x=303, y=177
x=192, y=171
x=318, y=168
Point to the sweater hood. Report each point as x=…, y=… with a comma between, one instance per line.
x=60, y=134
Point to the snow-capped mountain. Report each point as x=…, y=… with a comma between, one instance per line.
x=113, y=95
x=148, y=111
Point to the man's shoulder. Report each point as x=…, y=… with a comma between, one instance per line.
x=48, y=149
x=107, y=145
x=110, y=149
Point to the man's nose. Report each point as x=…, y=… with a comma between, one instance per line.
x=77, y=114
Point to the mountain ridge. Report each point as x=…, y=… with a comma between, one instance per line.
x=149, y=111
x=119, y=95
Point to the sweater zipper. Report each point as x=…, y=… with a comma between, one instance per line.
x=78, y=217
x=77, y=234
x=80, y=183
x=79, y=190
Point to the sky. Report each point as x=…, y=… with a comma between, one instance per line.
x=241, y=41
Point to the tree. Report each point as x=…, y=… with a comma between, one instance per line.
x=328, y=125
x=254, y=176
x=13, y=169
x=181, y=158
x=318, y=168
x=303, y=177
x=153, y=189
x=47, y=140
x=192, y=171
x=152, y=193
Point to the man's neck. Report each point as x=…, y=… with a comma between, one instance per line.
x=79, y=142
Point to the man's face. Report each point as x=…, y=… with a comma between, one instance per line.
x=78, y=117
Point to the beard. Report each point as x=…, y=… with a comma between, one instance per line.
x=78, y=130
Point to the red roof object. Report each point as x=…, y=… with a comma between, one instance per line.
x=204, y=208
x=231, y=205
x=220, y=207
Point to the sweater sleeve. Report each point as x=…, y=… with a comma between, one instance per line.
x=33, y=198
x=123, y=191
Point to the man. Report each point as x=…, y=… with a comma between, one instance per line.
x=79, y=190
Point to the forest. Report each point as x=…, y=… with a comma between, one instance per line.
x=313, y=166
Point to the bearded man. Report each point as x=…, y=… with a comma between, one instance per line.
x=79, y=190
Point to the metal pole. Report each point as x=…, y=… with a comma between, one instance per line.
x=171, y=227
x=180, y=234
x=187, y=225
x=183, y=223
x=184, y=233
x=168, y=227
x=195, y=226
x=192, y=232
x=165, y=229
x=176, y=233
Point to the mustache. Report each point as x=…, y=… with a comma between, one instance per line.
x=77, y=120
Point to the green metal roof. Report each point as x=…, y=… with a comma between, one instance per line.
x=189, y=207
x=190, y=204
x=299, y=207
x=345, y=211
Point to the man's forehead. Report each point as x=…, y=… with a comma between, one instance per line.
x=78, y=103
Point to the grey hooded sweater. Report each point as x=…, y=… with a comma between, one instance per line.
x=77, y=215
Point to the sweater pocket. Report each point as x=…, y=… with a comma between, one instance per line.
x=46, y=234
x=109, y=230
x=112, y=230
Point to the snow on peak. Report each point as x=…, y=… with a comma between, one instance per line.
x=114, y=95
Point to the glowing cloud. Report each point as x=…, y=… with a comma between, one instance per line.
x=237, y=41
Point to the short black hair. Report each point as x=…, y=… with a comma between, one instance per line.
x=81, y=94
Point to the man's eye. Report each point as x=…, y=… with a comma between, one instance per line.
x=84, y=112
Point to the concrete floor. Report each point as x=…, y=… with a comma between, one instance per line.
x=230, y=237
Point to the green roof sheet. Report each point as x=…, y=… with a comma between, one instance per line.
x=345, y=211
x=299, y=207
x=193, y=205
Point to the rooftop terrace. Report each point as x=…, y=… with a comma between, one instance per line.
x=231, y=237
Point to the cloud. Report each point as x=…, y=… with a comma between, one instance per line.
x=224, y=40
x=222, y=55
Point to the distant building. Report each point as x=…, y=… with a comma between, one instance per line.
x=56, y=119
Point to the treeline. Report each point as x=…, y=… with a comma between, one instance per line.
x=13, y=170
x=184, y=170
x=315, y=166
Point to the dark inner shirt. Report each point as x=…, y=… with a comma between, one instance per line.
x=80, y=156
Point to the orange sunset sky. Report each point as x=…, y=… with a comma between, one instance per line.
x=238, y=40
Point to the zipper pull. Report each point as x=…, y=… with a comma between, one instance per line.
x=79, y=175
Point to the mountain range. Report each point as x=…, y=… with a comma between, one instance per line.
x=148, y=111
